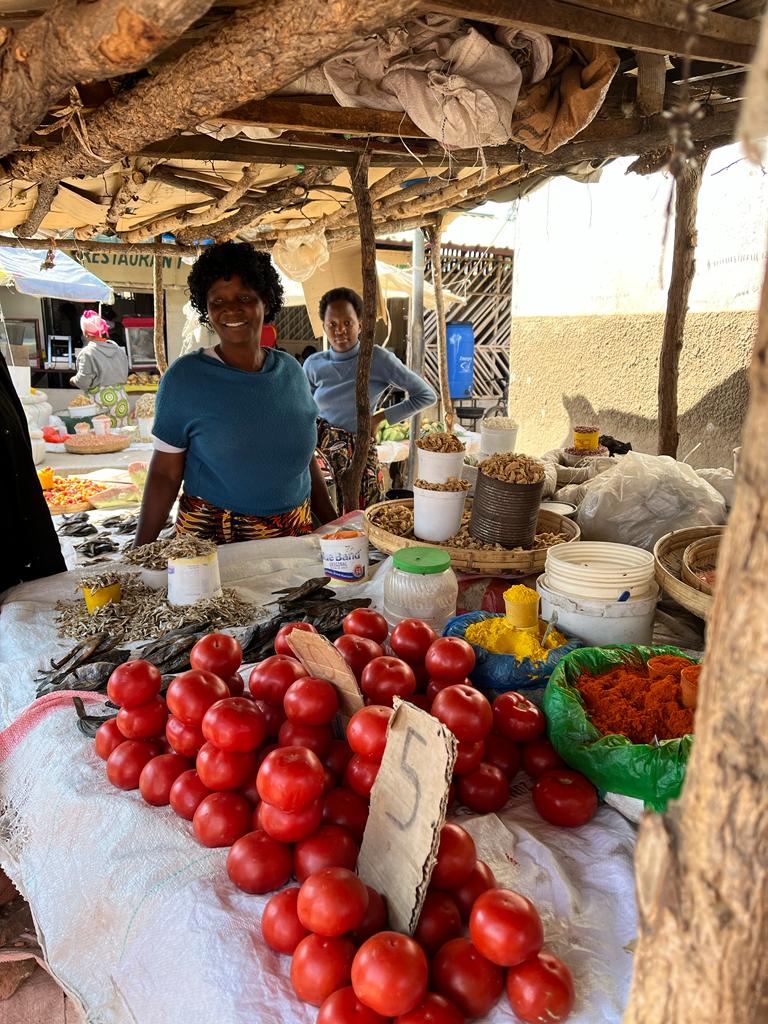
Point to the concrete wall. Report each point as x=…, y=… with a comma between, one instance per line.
x=567, y=371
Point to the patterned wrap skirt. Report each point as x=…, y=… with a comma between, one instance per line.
x=224, y=527
x=113, y=402
x=337, y=447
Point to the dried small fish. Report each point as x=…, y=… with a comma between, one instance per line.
x=92, y=548
x=88, y=724
x=99, y=580
x=156, y=554
x=77, y=530
x=121, y=523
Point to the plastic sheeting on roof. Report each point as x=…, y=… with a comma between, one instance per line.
x=66, y=279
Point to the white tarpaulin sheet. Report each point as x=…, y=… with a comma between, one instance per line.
x=66, y=279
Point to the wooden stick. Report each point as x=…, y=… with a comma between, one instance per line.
x=312, y=113
x=436, y=256
x=651, y=82
x=128, y=193
x=352, y=479
x=174, y=178
x=46, y=192
x=159, y=300
x=383, y=228
x=683, y=269
x=84, y=245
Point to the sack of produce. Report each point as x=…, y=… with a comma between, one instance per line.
x=624, y=692
x=496, y=673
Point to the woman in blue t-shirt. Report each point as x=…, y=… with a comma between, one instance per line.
x=236, y=423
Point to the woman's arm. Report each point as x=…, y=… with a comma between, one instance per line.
x=320, y=499
x=166, y=471
x=420, y=394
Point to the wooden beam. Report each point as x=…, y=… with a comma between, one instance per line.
x=159, y=310
x=651, y=82
x=128, y=193
x=79, y=42
x=554, y=17
x=292, y=114
x=46, y=191
x=683, y=269
x=436, y=256
x=665, y=13
x=175, y=178
x=255, y=52
x=81, y=245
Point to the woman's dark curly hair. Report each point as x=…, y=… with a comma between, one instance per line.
x=225, y=259
x=342, y=295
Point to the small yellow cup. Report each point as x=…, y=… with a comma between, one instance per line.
x=522, y=607
x=102, y=595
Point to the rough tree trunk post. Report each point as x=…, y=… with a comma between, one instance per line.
x=352, y=479
x=683, y=269
x=46, y=192
x=442, y=340
x=159, y=301
x=416, y=339
x=701, y=868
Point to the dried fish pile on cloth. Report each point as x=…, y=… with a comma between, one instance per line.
x=141, y=924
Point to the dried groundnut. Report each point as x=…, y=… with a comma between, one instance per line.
x=441, y=441
x=394, y=518
x=512, y=468
x=451, y=484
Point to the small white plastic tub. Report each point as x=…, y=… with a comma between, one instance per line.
x=599, y=571
x=145, y=427
x=495, y=439
x=598, y=623
x=156, y=579
x=437, y=467
x=437, y=514
x=193, y=579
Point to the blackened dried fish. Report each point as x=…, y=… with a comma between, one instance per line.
x=76, y=517
x=77, y=530
x=88, y=724
x=292, y=595
x=92, y=548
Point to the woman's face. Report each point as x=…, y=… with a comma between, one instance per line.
x=341, y=326
x=236, y=311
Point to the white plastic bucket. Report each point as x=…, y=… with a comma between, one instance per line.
x=599, y=571
x=494, y=441
x=156, y=579
x=345, y=560
x=38, y=446
x=437, y=514
x=145, y=427
x=193, y=579
x=436, y=467
x=102, y=425
x=597, y=623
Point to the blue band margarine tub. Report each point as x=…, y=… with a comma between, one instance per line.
x=345, y=556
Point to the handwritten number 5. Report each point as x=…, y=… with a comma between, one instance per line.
x=410, y=774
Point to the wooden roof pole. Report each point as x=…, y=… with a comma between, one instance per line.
x=159, y=303
x=436, y=256
x=86, y=245
x=46, y=192
x=353, y=477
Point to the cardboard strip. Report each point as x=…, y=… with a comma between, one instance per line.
x=320, y=658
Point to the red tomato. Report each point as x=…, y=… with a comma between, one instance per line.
x=191, y=694
x=290, y=778
x=126, y=762
x=273, y=717
x=332, y=901
x=434, y=1009
x=249, y=790
x=331, y=846
x=376, y=918
x=281, y=640
x=290, y=826
x=234, y=724
x=541, y=989
x=360, y=775
x=280, y=925
x=217, y=653
x=270, y=679
x=343, y=1007
x=503, y=753
x=184, y=739
x=367, y=623
x=330, y=780
x=143, y=721
x=345, y=808
x=257, y=864
x=390, y=973
x=224, y=769
x=411, y=639
x=439, y=921
x=320, y=966
x=484, y=790
x=357, y=651
x=337, y=758
x=158, y=776
x=450, y=658
x=456, y=857
x=420, y=700
x=221, y=819
x=465, y=711
x=235, y=685
x=311, y=701
x=134, y=683
x=481, y=879
x=468, y=757
x=385, y=678
x=108, y=736
x=317, y=738
x=367, y=731
x=466, y=978
x=187, y=793
x=516, y=718
x=564, y=797
x=505, y=927
x=540, y=756
x=434, y=686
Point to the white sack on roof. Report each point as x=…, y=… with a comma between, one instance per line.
x=532, y=51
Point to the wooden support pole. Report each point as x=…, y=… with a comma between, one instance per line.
x=128, y=193
x=683, y=269
x=353, y=477
x=436, y=255
x=651, y=82
x=46, y=192
x=85, y=245
x=701, y=869
x=416, y=340
x=159, y=300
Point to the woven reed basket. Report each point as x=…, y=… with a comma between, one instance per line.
x=469, y=559
x=105, y=444
x=668, y=555
x=701, y=556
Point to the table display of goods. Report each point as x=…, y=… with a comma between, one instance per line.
x=66, y=494
x=142, y=380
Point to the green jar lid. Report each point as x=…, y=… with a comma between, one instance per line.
x=425, y=561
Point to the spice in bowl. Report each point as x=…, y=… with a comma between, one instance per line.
x=499, y=637
x=440, y=441
x=512, y=468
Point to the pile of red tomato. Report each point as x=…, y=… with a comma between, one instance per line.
x=261, y=772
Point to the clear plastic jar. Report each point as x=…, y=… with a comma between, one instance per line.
x=420, y=585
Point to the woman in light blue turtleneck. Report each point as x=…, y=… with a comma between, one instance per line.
x=332, y=377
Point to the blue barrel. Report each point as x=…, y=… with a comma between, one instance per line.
x=461, y=359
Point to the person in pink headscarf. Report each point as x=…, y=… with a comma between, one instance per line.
x=102, y=369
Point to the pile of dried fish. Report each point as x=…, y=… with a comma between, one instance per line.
x=98, y=546
x=156, y=554
x=77, y=529
x=86, y=667
x=124, y=523
x=100, y=580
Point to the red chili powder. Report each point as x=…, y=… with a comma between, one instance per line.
x=626, y=701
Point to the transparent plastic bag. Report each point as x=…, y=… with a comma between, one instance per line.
x=645, y=497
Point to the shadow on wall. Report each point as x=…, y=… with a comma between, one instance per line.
x=717, y=416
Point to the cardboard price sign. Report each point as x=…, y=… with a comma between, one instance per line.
x=408, y=804
x=320, y=658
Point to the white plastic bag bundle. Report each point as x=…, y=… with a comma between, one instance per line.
x=723, y=480
x=645, y=497
x=300, y=253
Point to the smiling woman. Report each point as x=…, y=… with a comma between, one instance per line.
x=236, y=422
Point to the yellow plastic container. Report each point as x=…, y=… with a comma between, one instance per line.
x=45, y=476
x=522, y=607
x=586, y=440
x=102, y=595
